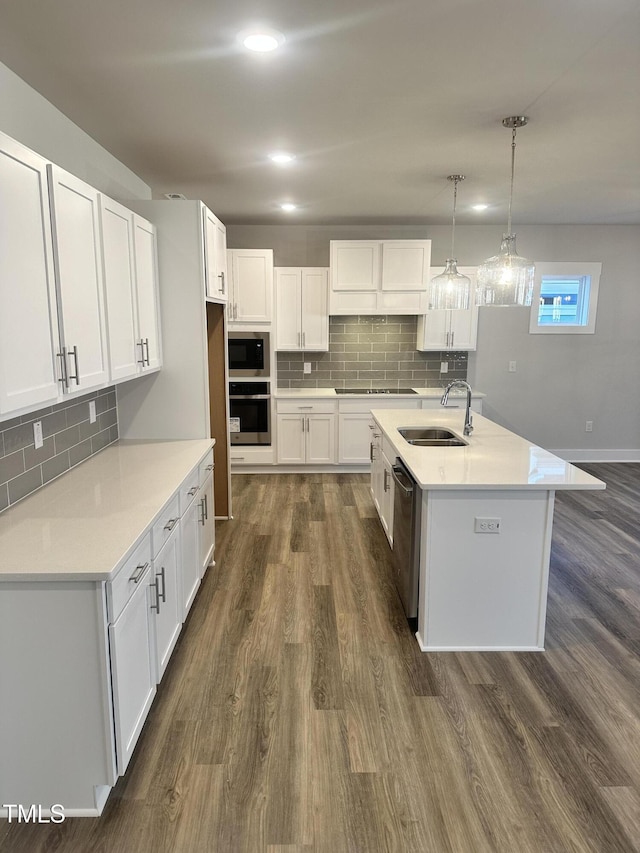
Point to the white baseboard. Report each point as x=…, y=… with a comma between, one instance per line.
x=426, y=648
x=598, y=455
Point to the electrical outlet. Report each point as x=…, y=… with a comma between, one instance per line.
x=588, y=426
x=486, y=525
x=306, y=367
x=37, y=434
x=92, y=411
x=444, y=367
x=512, y=367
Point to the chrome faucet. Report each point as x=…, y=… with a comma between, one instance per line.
x=460, y=383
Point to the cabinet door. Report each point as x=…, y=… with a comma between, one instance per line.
x=288, y=309
x=314, y=285
x=376, y=469
x=28, y=321
x=355, y=264
x=78, y=261
x=354, y=437
x=190, y=552
x=386, y=498
x=463, y=329
x=215, y=248
x=125, y=349
x=147, y=287
x=207, y=525
x=433, y=329
x=167, y=601
x=132, y=670
x=405, y=264
x=252, y=284
x=321, y=438
x=291, y=438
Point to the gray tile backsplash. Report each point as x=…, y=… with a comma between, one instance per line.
x=68, y=436
x=371, y=352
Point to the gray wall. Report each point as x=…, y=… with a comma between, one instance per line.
x=32, y=120
x=561, y=381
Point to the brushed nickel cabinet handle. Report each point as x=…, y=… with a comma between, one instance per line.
x=193, y=491
x=162, y=596
x=141, y=568
x=74, y=353
x=63, y=367
x=170, y=524
x=140, y=344
x=202, y=518
x=156, y=606
x=146, y=343
x=222, y=282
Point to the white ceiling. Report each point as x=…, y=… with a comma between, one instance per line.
x=379, y=100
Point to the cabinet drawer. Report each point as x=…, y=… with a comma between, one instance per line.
x=205, y=468
x=305, y=407
x=125, y=583
x=189, y=490
x=165, y=523
x=382, y=401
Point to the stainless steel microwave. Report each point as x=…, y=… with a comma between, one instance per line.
x=249, y=354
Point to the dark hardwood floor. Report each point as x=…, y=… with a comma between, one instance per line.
x=299, y=716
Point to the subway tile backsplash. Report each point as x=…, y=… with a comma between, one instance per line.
x=68, y=439
x=371, y=352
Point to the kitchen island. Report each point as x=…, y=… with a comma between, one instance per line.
x=486, y=513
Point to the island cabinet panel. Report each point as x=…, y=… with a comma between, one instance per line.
x=484, y=590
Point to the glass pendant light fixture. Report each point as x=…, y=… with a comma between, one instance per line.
x=450, y=289
x=507, y=278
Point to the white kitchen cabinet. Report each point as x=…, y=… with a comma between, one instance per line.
x=250, y=285
x=302, y=309
x=379, y=276
x=215, y=249
x=147, y=292
x=382, y=490
x=306, y=432
x=131, y=291
x=166, y=600
x=28, y=319
x=78, y=262
x=354, y=418
x=133, y=667
x=448, y=328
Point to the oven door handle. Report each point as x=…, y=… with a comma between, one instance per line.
x=249, y=396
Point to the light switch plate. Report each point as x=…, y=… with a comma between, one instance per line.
x=444, y=367
x=306, y=367
x=37, y=434
x=92, y=411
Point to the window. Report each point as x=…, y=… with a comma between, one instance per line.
x=565, y=298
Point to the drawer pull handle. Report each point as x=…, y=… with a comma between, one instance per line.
x=209, y=468
x=170, y=524
x=156, y=606
x=141, y=568
x=162, y=596
x=192, y=491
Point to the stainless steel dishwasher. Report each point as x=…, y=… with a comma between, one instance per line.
x=407, y=505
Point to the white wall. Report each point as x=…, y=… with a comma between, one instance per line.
x=561, y=381
x=32, y=120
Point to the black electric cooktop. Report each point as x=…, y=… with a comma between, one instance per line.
x=375, y=391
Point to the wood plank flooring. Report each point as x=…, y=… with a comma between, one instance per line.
x=299, y=716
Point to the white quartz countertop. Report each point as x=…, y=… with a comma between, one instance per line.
x=494, y=457
x=82, y=525
x=430, y=393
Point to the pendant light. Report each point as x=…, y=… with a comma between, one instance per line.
x=450, y=289
x=507, y=278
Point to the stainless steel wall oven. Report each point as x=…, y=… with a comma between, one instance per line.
x=250, y=413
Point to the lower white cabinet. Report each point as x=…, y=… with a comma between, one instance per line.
x=306, y=431
x=166, y=603
x=354, y=420
x=382, y=490
x=206, y=538
x=133, y=668
x=190, y=544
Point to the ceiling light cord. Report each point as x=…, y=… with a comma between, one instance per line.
x=513, y=169
x=453, y=223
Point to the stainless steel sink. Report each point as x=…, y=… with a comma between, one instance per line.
x=431, y=437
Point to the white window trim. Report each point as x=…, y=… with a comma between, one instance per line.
x=562, y=268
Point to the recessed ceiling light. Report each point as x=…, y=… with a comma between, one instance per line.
x=480, y=207
x=288, y=207
x=262, y=41
x=281, y=157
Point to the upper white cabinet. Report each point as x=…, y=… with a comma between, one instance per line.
x=146, y=266
x=131, y=291
x=447, y=328
x=28, y=320
x=302, y=308
x=250, y=285
x=215, y=252
x=78, y=261
x=379, y=276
